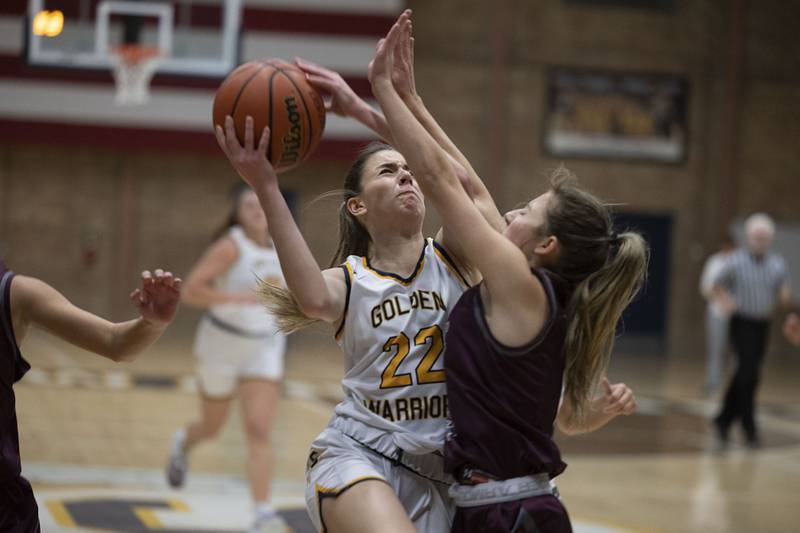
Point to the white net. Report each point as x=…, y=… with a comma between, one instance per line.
x=133, y=68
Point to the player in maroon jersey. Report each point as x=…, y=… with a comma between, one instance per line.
x=555, y=283
x=26, y=301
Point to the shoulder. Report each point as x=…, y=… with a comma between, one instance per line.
x=457, y=269
x=224, y=247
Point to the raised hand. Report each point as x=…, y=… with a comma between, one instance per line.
x=403, y=71
x=618, y=399
x=157, y=299
x=249, y=162
x=381, y=67
x=342, y=100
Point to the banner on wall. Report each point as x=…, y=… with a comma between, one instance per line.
x=615, y=115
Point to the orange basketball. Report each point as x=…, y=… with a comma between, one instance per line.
x=277, y=95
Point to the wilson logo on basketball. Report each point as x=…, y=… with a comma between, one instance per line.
x=291, y=141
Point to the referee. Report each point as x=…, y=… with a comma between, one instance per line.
x=752, y=284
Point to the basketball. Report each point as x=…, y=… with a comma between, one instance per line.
x=276, y=94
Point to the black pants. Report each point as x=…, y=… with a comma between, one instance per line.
x=749, y=340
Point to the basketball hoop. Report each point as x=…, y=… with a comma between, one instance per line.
x=133, y=67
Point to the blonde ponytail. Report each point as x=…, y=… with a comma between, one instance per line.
x=595, y=308
x=605, y=272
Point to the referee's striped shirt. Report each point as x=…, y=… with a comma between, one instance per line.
x=754, y=282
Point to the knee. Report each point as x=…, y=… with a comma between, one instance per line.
x=257, y=430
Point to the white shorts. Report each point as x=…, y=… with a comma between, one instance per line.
x=225, y=358
x=338, y=462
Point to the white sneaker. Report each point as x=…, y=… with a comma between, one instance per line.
x=269, y=523
x=178, y=462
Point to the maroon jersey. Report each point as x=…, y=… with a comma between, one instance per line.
x=18, y=510
x=503, y=401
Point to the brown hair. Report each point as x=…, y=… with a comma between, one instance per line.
x=353, y=240
x=606, y=271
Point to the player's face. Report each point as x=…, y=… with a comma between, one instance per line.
x=525, y=225
x=389, y=189
x=251, y=216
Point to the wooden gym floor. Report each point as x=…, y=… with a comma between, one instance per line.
x=95, y=435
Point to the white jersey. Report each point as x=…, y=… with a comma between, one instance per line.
x=254, y=262
x=392, y=336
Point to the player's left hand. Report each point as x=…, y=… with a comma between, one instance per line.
x=618, y=399
x=157, y=299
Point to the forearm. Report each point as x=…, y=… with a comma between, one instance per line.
x=423, y=154
x=471, y=181
x=130, y=338
x=421, y=113
x=374, y=120
x=300, y=269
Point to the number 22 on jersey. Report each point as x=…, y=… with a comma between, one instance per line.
x=400, y=345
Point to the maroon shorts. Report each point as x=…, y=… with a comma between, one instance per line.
x=538, y=514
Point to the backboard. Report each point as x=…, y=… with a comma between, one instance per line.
x=196, y=37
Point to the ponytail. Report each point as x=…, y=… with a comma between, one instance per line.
x=605, y=270
x=594, y=309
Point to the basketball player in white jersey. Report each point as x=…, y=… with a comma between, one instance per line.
x=378, y=465
x=238, y=349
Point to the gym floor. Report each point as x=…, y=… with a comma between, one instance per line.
x=95, y=436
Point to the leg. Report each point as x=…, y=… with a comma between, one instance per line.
x=370, y=506
x=731, y=407
x=259, y=398
x=213, y=413
x=716, y=331
x=758, y=344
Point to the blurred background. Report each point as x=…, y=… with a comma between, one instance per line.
x=684, y=114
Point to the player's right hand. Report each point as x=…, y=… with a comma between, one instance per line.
x=250, y=162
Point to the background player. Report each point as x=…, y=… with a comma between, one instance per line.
x=238, y=349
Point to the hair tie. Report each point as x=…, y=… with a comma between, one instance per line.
x=614, y=239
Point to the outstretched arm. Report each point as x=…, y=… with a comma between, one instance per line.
x=404, y=83
x=345, y=102
x=35, y=302
x=617, y=399
x=516, y=307
x=319, y=294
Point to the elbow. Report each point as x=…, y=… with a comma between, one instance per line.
x=120, y=354
x=318, y=308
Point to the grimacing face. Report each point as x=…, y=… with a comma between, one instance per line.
x=388, y=189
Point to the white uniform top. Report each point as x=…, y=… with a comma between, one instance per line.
x=392, y=336
x=254, y=262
